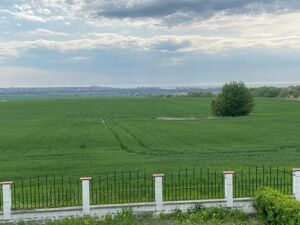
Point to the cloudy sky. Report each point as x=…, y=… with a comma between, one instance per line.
x=148, y=42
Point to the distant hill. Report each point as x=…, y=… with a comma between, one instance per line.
x=103, y=91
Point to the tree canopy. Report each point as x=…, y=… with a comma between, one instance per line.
x=235, y=99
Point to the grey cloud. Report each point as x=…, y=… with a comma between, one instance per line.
x=166, y=12
x=203, y=8
x=171, y=45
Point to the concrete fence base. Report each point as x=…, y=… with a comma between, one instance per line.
x=245, y=204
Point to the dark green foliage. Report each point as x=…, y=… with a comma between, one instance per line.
x=276, y=208
x=290, y=92
x=284, y=92
x=234, y=100
x=200, y=94
x=266, y=91
x=194, y=217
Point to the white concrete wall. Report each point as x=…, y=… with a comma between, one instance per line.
x=244, y=204
x=296, y=183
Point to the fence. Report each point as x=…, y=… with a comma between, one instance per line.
x=195, y=184
x=122, y=188
x=137, y=187
x=248, y=182
x=46, y=192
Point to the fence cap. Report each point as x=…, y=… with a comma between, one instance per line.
x=6, y=183
x=229, y=172
x=296, y=169
x=158, y=175
x=85, y=178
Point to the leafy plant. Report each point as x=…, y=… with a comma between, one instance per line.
x=234, y=100
x=277, y=209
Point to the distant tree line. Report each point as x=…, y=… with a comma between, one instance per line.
x=286, y=92
x=185, y=94
x=200, y=94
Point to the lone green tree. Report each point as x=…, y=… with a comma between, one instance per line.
x=234, y=100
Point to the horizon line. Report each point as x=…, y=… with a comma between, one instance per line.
x=163, y=86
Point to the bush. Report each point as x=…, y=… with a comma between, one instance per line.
x=217, y=214
x=200, y=215
x=234, y=100
x=277, y=209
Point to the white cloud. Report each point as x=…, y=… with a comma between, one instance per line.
x=45, y=32
x=79, y=59
x=220, y=32
x=44, y=11
x=25, y=15
x=163, y=43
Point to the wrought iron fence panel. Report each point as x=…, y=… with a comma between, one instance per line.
x=122, y=188
x=248, y=182
x=193, y=184
x=48, y=192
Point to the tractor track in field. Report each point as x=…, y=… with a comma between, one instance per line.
x=123, y=146
x=145, y=149
x=148, y=150
x=140, y=142
x=116, y=135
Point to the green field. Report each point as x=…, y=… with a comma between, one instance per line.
x=89, y=136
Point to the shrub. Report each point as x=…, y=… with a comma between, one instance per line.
x=217, y=214
x=277, y=209
x=234, y=100
x=200, y=215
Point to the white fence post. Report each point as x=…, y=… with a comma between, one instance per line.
x=86, y=195
x=158, y=178
x=296, y=183
x=6, y=189
x=228, y=179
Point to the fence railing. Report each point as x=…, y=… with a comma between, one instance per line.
x=48, y=192
x=122, y=188
x=193, y=184
x=248, y=182
x=114, y=188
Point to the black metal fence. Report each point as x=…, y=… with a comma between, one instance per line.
x=193, y=184
x=46, y=192
x=122, y=188
x=248, y=182
x=112, y=188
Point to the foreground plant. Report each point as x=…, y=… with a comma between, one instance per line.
x=196, y=216
x=277, y=209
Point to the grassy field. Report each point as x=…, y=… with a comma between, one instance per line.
x=88, y=136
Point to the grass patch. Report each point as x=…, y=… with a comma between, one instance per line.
x=194, y=217
x=90, y=136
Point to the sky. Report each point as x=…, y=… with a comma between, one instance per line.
x=148, y=42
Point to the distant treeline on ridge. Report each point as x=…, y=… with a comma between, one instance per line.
x=283, y=92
